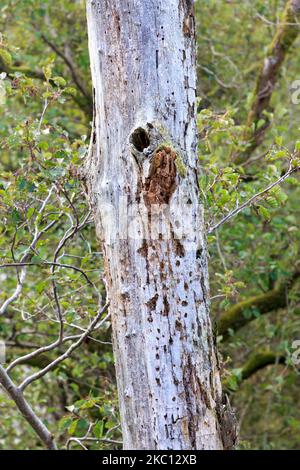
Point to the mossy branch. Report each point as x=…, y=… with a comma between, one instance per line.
x=236, y=317
x=260, y=360
x=258, y=120
x=257, y=361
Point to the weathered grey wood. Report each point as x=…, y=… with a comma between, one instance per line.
x=143, y=158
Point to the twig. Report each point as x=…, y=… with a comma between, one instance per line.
x=17, y=396
x=47, y=263
x=87, y=438
x=69, y=64
x=36, y=237
x=69, y=351
x=46, y=103
x=238, y=209
x=79, y=440
x=272, y=23
x=218, y=80
x=40, y=350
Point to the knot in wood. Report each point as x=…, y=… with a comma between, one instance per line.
x=161, y=182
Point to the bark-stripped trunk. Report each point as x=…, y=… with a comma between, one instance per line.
x=142, y=164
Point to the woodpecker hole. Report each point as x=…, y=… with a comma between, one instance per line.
x=140, y=139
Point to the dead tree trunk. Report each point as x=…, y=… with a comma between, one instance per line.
x=142, y=183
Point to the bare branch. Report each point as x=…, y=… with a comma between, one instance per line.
x=17, y=396
x=36, y=237
x=69, y=351
x=47, y=263
x=252, y=199
x=41, y=350
x=87, y=438
x=80, y=440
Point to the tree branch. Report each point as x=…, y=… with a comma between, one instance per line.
x=256, y=362
x=37, y=235
x=234, y=318
x=69, y=351
x=47, y=263
x=285, y=36
x=252, y=199
x=260, y=360
x=84, y=102
x=70, y=66
x=30, y=357
x=17, y=393
x=17, y=396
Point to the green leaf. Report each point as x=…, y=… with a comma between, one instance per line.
x=47, y=70
x=30, y=212
x=40, y=286
x=98, y=429
x=64, y=423
x=264, y=213
x=70, y=91
x=73, y=427
x=15, y=216
x=59, y=81
x=5, y=57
